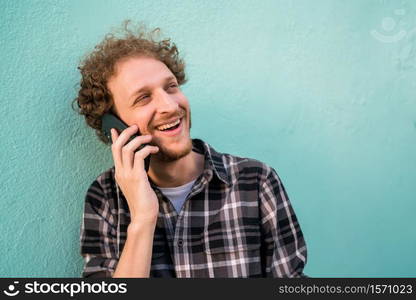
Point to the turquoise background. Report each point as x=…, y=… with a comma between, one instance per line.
x=301, y=85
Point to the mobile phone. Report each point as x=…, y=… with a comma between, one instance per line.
x=109, y=121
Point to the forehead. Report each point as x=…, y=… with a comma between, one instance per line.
x=140, y=71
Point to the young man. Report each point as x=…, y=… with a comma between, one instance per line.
x=196, y=212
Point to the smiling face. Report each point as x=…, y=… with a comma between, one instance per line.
x=146, y=93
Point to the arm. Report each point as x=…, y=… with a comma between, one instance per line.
x=130, y=174
x=99, y=235
x=136, y=257
x=284, y=249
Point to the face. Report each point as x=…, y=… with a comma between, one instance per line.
x=146, y=93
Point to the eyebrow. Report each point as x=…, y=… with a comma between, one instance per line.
x=144, y=88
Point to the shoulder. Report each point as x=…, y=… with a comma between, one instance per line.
x=106, y=178
x=236, y=167
x=246, y=167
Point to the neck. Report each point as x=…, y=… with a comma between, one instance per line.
x=178, y=172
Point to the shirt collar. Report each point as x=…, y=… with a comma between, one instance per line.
x=214, y=163
x=213, y=160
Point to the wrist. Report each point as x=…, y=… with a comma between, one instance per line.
x=137, y=226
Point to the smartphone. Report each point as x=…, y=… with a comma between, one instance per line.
x=109, y=121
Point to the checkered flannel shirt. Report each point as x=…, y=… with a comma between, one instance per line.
x=237, y=221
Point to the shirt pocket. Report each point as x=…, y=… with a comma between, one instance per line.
x=233, y=252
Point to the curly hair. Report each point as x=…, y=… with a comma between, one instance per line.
x=94, y=98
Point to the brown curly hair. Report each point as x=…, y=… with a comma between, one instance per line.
x=94, y=98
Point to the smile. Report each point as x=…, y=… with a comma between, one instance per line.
x=171, y=129
x=169, y=126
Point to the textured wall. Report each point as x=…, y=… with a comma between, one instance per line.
x=324, y=91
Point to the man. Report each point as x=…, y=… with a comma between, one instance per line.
x=196, y=212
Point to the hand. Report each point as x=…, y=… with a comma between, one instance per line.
x=131, y=175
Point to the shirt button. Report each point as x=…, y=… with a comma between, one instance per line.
x=180, y=242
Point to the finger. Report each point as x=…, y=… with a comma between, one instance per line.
x=127, y=152
x=116, y=152
x=139, y=156
x=118, y=142
x=125, y=135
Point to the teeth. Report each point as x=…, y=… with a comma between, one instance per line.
x=166, y=126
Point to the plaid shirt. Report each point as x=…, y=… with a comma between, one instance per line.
x=237, y=221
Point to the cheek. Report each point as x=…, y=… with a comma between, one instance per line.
x=185, y=106
x=143, y=120
x=184, y=103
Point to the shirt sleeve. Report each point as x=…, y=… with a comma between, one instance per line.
x=284, y=250
x=98, y=235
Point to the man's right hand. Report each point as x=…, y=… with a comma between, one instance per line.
x=131, y=176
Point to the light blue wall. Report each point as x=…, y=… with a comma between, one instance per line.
x=301, y=85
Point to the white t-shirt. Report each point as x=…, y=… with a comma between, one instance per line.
x=177, y=195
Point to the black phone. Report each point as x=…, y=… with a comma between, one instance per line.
x=109, y=121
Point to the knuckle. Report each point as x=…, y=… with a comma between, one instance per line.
x=116, y=145
x=125, y=149
x=144, y=137
x=139, y=154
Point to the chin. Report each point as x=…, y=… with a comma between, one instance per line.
x=169, y=153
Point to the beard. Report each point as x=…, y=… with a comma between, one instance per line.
x=166, y=154
x=170, y=155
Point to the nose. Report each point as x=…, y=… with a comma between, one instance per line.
x=166, y=103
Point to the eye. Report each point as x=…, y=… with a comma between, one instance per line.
x=142, y=98
x=172, y=86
